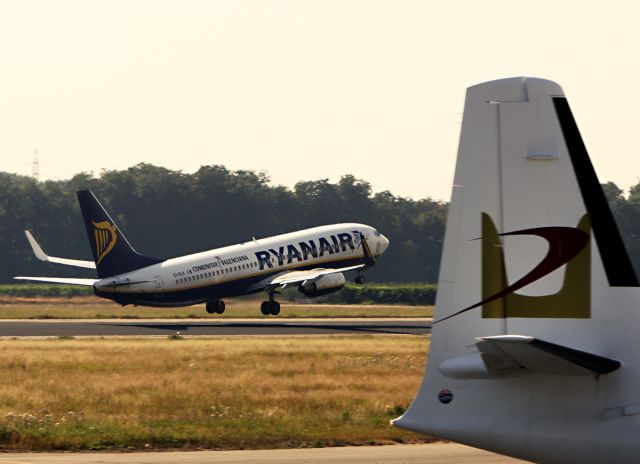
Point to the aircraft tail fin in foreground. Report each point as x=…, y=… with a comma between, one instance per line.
x=111, y=250
x=534, y=344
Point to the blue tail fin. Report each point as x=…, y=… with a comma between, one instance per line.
x=111, y=251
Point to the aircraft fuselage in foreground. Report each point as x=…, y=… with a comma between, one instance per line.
x=535, y=348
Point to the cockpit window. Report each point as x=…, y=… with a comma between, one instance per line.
x=376, y=233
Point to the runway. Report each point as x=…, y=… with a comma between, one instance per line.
x=207, y=327
x=434, y=453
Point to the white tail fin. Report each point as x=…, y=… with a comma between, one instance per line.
x=531, y=323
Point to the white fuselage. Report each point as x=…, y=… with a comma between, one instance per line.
x=243, y=268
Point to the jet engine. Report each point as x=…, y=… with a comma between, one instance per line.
x=328, y=283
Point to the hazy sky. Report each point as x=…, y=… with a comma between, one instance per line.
x=301, y=89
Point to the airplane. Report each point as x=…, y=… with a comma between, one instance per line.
x=534, y=348
x=313, y=259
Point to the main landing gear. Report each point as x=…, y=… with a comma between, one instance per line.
x=359, y=279
x=270, y=307
x=216, y=306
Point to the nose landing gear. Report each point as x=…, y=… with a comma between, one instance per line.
x=216, y=306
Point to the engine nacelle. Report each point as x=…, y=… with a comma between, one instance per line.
x=328, y=283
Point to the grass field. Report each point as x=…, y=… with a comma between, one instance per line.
x=97, y=308
x=219, y=393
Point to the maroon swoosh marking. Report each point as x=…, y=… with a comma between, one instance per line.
x=564, y=244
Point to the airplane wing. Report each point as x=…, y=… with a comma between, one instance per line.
x=42, y=256
x=59, y=280
x=303, y=277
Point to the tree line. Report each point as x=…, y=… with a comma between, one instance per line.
x=166, y=213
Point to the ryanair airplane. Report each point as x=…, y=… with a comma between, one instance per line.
x=314, y=260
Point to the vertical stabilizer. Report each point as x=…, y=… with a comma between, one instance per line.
x=535, y=284
x=111, y=250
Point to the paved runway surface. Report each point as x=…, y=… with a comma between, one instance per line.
x=434, y=453
x=207, y=327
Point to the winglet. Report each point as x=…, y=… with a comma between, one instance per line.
x=37, y=250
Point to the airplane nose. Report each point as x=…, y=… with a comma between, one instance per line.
x=385, y=243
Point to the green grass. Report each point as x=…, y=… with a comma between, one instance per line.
x=44, y=290
x=224, y=393
x=94, y=308
x=372, y=293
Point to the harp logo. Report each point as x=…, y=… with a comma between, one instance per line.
x=106, y=237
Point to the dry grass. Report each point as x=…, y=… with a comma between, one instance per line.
x=225, y=393
x=97, y=308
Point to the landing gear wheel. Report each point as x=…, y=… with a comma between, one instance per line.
x=275, y=308
x=265, y=308
x=270, y=307
x=359, y=280
x=216, y=307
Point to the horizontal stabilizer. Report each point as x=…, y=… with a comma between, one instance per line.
x=42, y=256
x=60, y=280
x=504, y=354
